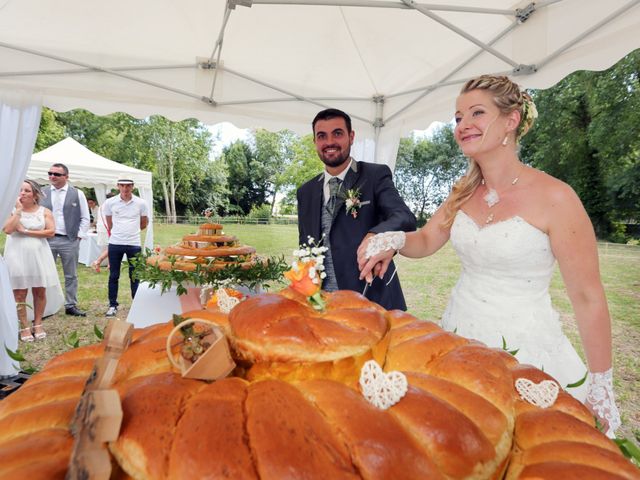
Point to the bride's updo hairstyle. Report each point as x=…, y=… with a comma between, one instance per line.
x=508, y=97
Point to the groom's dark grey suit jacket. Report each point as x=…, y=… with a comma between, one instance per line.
x=385, y=211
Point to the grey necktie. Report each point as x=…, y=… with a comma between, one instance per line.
x=334, y=187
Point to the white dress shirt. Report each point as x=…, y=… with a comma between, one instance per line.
x=58, y=197
x=328, y=176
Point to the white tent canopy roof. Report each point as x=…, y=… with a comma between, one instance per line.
x=86, y=168
x=394, y=65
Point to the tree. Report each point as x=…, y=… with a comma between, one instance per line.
x=213, y=190
x=50, y=130
x=270, y=153
x=304, y=165
x=181, y=153
x=426, y=170
x=245, y=191
x=573, y=140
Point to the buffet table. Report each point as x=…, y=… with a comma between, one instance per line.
x=89, y=249
x=151, y=306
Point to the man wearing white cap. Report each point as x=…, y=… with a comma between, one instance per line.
x=126, y=215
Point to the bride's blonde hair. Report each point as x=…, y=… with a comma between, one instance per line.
x=508, y=97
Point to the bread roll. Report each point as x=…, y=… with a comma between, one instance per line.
x=573, y=453
x=380, y=447
x=151, y=407
x=289, y=437
x=39, y=455
x=272, y=327
x=40, y=393
x=293, y=408
x=27, y=421
x=210, y=438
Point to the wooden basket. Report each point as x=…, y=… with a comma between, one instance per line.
x=215, y=363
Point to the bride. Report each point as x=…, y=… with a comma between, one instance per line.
x=508, y=224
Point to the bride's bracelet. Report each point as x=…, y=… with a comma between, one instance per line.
x=382, y=242
x=602, y=399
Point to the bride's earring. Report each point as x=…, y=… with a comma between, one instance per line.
x=505, y=141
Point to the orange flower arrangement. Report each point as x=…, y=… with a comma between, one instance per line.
x=301, y=281
x=307, y=272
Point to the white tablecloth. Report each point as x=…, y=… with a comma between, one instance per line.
x=89, y=249
x=150, y=306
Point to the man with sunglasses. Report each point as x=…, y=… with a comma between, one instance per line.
x=71, y=215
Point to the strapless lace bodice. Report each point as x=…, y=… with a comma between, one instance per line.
x=502, y=296
x=510, y=259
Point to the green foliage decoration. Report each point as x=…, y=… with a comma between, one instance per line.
x=73, y=340
x=19, y=357
x=265, y=270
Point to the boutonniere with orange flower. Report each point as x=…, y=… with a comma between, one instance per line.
x=307, y=272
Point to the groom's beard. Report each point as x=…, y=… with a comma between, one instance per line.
x=338, y=159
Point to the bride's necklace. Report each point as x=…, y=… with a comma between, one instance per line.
x=492, y=197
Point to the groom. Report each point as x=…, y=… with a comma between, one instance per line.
x=347, y=202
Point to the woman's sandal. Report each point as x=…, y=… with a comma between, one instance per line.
x=41, y=335
x=23, y=335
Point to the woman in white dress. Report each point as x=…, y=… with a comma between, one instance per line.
x=509, y=223
x=28, y=257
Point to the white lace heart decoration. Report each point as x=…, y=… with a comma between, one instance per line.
x=543, y=394
x=225, y=301
x=381, y=389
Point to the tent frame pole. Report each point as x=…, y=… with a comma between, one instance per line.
x=586, y=33
x=389, y=4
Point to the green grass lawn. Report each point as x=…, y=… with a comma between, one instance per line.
x=426, y=283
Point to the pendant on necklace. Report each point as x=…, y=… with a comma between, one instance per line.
x=491, y=197
x=489, y=218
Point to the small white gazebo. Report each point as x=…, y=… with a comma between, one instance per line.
x=88, y=169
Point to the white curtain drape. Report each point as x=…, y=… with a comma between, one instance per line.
x=19, y=121
x=146, y=194
x=101, y=193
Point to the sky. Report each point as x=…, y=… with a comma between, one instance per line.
x=224, y=134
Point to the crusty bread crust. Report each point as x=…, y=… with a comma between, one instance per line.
x=293, y=409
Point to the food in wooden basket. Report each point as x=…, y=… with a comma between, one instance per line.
x=293, y=409
x=210, y=248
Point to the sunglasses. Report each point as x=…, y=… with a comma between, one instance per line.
x=55, y=174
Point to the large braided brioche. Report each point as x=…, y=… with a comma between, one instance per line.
x=292, y=408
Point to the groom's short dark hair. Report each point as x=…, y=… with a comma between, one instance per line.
x=328, y=114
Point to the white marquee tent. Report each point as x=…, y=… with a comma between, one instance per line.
x=394, y=65
x=88, y=169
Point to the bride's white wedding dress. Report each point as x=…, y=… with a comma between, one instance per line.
x=503, y=292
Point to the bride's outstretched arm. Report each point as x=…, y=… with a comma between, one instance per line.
x=574, y=245
x=375, y=253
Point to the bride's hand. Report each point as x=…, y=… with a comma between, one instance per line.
x=601, y=401
x=376, y=251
